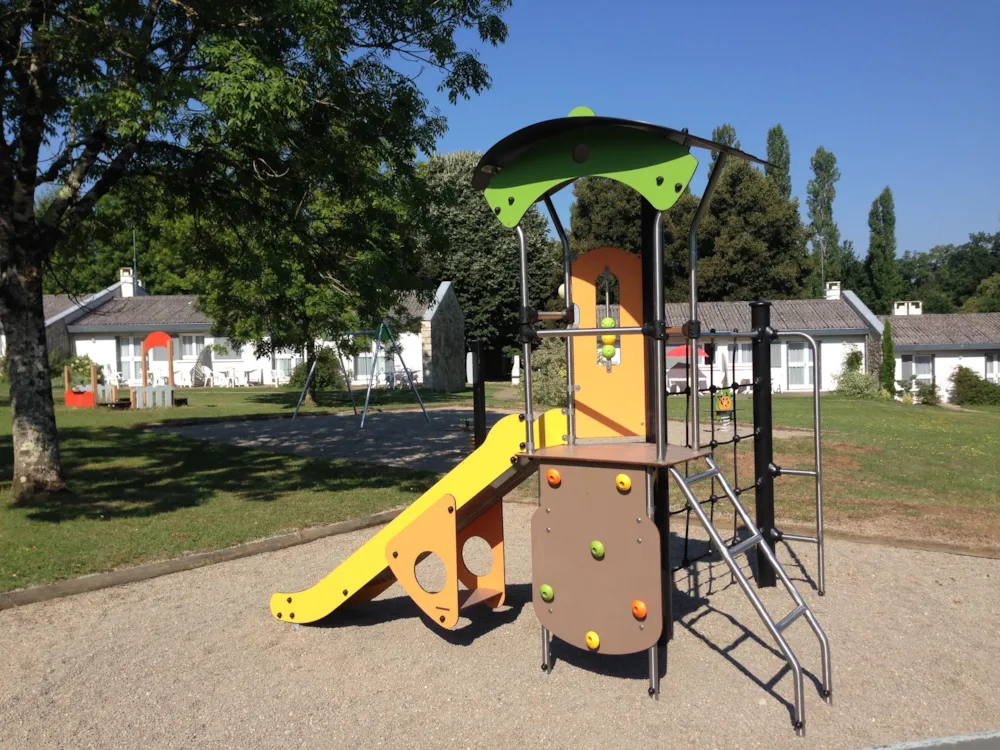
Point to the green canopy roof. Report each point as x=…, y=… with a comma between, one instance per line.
x=543, y=158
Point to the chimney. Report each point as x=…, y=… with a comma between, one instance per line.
x=128, y=282
x=833, y=290
x=907, y=307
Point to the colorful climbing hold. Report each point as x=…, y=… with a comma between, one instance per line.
x=623, y=482
x=553, y=477
x=608, y=338
x=608, y=351
x=593, y=640
x=607, y=322
x=639, y=609
x=597, y=549
x=546, y=592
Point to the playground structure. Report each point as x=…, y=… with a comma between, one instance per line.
x=600, y=538
x=145, y=397
x=392, y=346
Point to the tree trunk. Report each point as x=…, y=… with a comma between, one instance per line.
x=36, y=442
x=310, y=359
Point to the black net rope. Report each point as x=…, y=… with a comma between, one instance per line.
x=740, y=392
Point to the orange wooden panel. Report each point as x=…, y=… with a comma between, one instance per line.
x=434, y=531
x=489, y=526
x=609, y=404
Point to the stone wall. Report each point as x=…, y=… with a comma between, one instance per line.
x=442, y=338
x=873, y=354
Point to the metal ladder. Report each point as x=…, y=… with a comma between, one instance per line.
x=729, y=553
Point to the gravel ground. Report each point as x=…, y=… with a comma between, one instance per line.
x=195, y=660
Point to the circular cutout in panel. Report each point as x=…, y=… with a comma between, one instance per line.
x=430, y=572
x=477, y=556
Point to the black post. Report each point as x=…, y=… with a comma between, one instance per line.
x=763, y=451
x=661, y=515
x=478, y=396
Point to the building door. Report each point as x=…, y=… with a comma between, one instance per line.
x=800, y=366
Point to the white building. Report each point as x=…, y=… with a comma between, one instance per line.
x=109, y=327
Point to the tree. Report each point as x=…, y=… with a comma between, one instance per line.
x=724, y=134
x=888, y=372
x=481, y=256
x=221, y=101
x=883, y=271
x=986, y=298
x=828, y=257
x=751, y=245
x=779, y=157
x=605, y=213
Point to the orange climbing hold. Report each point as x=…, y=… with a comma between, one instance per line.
x=639, y=609
x=553, y=477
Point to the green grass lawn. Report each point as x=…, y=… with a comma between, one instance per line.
x=139, y=496
x=893, y=470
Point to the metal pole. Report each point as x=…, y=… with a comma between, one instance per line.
x=720, y=164
x=763, y=452
x=478, y=396
x=818, y=457
x=529, y=415
x=659, y=348
x=399, y=352
x=371, y=375
x=305, y=388
x=568, y=304
x=654, y=650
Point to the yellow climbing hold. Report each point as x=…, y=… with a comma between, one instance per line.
x=623, y=482
x=593, y=640
x=608, y=338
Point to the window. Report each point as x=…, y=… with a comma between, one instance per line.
x=923, y=367
x=227, y=351
x=800, y=366
x=191, y=346
x=993, y=367
x=363, y=366
x=775, y=355
x=129, y=357
x=740, y=354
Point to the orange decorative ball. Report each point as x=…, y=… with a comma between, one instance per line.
x=639, y=609
x=553, y=477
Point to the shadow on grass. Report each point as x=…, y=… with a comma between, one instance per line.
x=118, y=473
x=379, y=397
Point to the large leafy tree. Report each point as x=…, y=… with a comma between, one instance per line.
x=823, y=231
x=468, y=246
x=255, y=105
x=986, y=298
x=883, y=270
x=779, y=157
x=605, y=213
x=726, y=135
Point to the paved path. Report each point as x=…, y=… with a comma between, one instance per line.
x=195, y=660
x=399, y=438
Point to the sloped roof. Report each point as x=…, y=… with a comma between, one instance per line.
x=126, y=312
x=786, y=315
x=53, y=304
x=969, y=329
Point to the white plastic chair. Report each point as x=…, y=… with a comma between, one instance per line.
x=207, y=374
x=182, y=378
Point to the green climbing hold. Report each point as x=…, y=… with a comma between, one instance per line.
x=581, y=112
x=607, y=322
x=597, y=550
x=546, y=592
x=608, y=351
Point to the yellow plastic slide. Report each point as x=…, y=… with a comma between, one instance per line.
x=355, y=578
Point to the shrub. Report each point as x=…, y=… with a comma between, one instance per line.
x=853, y=360
x=857, y=384
x=328, y=375
x=885, y=395
x=79, y=369
x=927, y=394
x=907, y=398
x=548, y=374
x=968, y=388
x=888, y=358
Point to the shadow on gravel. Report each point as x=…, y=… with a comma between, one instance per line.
x=482, y=620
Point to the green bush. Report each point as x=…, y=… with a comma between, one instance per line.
x=927, y=394
x=328, y=375
x=852, y=382
x=907, y=398
x=968, y=388
x=548, y=374
x=79, y=369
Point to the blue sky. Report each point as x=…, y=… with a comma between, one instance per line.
x=906, y=96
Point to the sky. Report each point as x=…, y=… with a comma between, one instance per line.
x=905, y=94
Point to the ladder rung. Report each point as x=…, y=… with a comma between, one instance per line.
x=791, y=617
x=799, y=472
x=745, y=545
x=703, y=475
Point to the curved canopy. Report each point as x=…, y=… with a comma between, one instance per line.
x=541, y=159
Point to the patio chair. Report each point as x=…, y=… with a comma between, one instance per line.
x=113, y=377
x=182, y=378
x=209, y=377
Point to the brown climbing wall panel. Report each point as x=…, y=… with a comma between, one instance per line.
x=591, y=594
